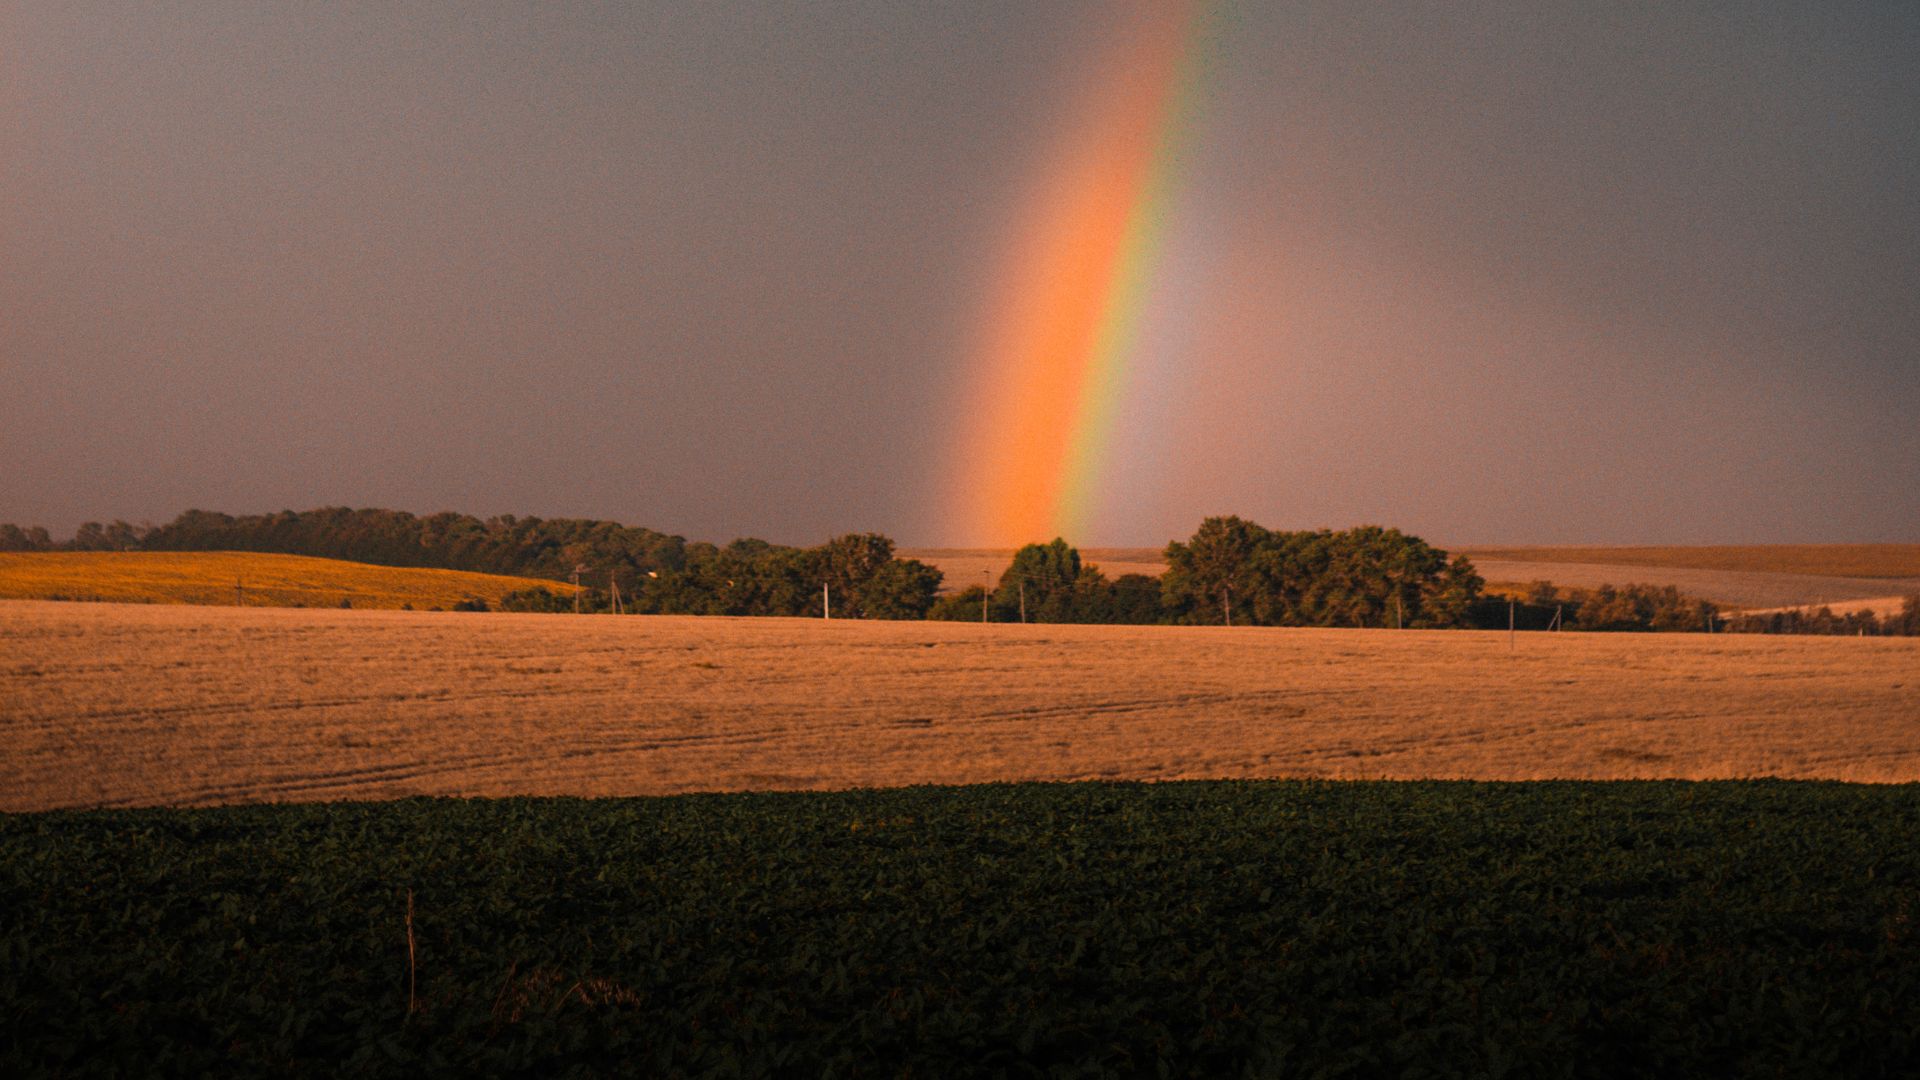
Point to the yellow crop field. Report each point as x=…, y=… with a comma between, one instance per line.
x=244, y=578
x=117, y=705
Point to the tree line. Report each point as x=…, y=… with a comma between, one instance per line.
x=652, y=572
x=1229, y=572
x=1234, y=572
x=1630, y=607
x=1544, y=605
x=1822, y=620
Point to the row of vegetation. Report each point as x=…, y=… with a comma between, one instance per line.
x=525, y=547
x=1233, y=571
x=1229, y=571
x=651, y=572
x=1822, y=620
x=1546, y=606
x=1189, y=929
x=1360, y=577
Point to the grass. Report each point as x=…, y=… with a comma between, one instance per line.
x=133, y=705
x=1198, y=929
x=245, y=578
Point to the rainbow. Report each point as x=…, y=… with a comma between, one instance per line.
x=1067, y=325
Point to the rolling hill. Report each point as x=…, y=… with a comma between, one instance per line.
x=245, y=578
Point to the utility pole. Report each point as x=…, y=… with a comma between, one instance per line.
x=613, y=591
x=578, y=569
x=1509, y=624
x=239, y=592
x=1023, y=599
x=826, y=600
x=1398, y=616
x=1226, y=601
x=986, y=595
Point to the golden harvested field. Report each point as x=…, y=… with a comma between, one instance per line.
x=209, y=577
x=135, y=705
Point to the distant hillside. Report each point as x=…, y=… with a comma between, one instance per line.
x=1847, y=576
x=244, y=577
x=1831, y=560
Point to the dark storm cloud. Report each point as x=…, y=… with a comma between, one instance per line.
x=1520, y=272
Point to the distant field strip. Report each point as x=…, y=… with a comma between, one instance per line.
x=128, y=705
x=1843, y=575
x=1731, y=588
x=244, y=578
x=1824, y=560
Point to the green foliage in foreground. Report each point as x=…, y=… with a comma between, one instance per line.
x=1566, y=929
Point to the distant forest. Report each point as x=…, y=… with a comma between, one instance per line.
x=1230, y=571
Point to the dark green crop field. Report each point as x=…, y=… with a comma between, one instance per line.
x=1360, y=929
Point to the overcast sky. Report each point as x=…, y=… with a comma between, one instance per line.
x=1529, y=272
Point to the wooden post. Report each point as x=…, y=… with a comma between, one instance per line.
x=826, y=600
x=1509, y=625
x=1023, y=599
x=239, y=592
x=986, y=595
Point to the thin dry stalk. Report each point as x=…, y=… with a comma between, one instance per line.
x=494, y=1013
x=413, y=997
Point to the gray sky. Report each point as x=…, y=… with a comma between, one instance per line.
x=1527, y=272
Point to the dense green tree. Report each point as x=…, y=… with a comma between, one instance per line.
x=1041, y=584
x=535, y=600
x=752, y=577
x=962, y=606
x=1205, y=573
x=1447, y=604
x=1363, y=577
x=1129, y=598
x=846, y=563
x=1909, y=617
x=898, y=589
x=31, y=538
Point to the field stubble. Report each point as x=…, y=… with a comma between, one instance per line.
x=123, y=705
